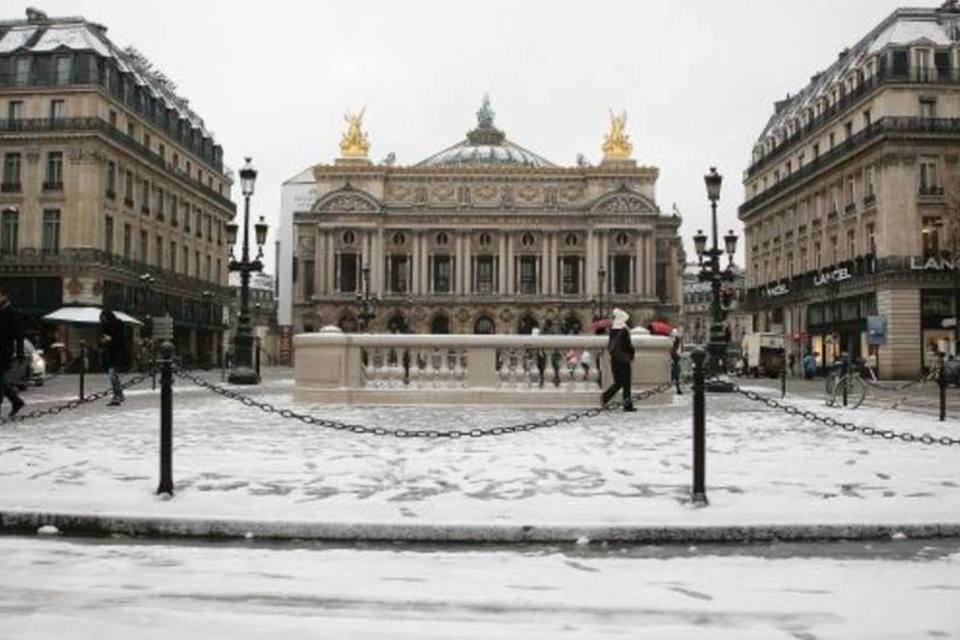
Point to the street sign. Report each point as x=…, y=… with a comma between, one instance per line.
x=163, y=328
x=877, y=330
x=948, y=323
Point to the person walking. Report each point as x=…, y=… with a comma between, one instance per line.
x=675, y=365
x=114, y=352
x=620, y=348
x=11, y=344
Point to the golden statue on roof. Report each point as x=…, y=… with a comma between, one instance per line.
x=354, y=143
x=616, y=144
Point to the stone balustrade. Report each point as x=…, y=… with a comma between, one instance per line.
x=505, y=370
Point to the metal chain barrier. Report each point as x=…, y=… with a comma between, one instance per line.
x=886, y=434
x=429, y=434
x=73, y=404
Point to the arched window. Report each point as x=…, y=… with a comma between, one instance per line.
x=348, y=237
x=527, y=324
x=571, y=326
x=399, y=239
x=527, y=240
x=570, y=240
x=442, y=239
x=440, y=325
x=398, y=324
x=348, y=323
x=484, y=239
x=484, y=326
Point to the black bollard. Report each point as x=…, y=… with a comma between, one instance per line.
x=942, y=381
x=699, y=429
x=783, y=379
x=166, y=419
x=844, y=371
x=153, y=365
x=257, y=359
x=83, y=366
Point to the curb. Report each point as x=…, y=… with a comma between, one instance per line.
x=78, y=524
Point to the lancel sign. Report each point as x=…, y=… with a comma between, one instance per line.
x=837, y=275
x=777, y=291
x=934, y=264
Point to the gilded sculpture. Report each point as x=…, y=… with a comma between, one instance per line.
x=616, y=144
x=354, y=143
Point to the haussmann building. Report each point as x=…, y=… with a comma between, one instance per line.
x=114, y=192
x=852, y=211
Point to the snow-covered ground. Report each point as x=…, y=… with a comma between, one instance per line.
x=231, y=461
x=113, y=590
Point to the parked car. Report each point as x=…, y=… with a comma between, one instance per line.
x=32, y=371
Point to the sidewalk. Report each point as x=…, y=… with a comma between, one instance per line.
x=618, y=477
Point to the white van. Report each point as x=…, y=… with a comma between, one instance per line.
x=764, y=354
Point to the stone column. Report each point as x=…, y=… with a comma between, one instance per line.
x=425, y=264
x=639, y=272
x=321, y=258
x=555, y=264
x=590, y=275
x=415, y=267
x=378, y=265
x=502, y=265
x=545, y=264
x=604, y=252
x=511, y=268
x=458, y=266
x=467, y=265
x=331, y=260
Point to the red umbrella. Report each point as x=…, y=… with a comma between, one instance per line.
x=660, y=328
x=599, y=325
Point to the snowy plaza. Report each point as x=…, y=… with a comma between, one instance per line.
x=261, y=478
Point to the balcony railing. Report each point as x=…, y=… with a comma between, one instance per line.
x=884, y=77
x=501, y=370
x=74, y=257
x=45, y=125
x=880, y=128
x=53, y=185
x=930, y=191
x=10, y=187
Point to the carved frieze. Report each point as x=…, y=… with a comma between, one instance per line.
x=528, y=193
x=484, y=193
x=443, y=193
x=624, y=203
x=399, y=193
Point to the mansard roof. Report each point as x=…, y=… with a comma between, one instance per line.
x=904, y=27
x=41, y=34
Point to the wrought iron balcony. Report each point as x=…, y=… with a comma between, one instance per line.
x=10, y=187
x=881, y=128
x=923, y=75
x=926, y=190
x=53, y=185
x=98, y=125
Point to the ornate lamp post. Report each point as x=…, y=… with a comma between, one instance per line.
x=711, y=271
x=243, y=371
x=367, y=309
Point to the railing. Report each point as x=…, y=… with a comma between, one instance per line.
x=884, y=77
x=879, y=128
x=97, y=124
x=510, y=370
x=74, y=256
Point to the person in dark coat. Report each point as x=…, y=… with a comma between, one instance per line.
x=11, y=345
x=620, y=347
x=114, y=352
x=675, y=365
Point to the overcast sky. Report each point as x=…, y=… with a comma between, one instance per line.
x=698, y=78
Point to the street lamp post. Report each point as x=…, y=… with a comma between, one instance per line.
x=366, y=301
x=242, y=371
x=711, y=271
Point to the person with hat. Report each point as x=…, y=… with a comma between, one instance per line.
x=620, y=348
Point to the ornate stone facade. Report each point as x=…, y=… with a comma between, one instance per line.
x=483, y=237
